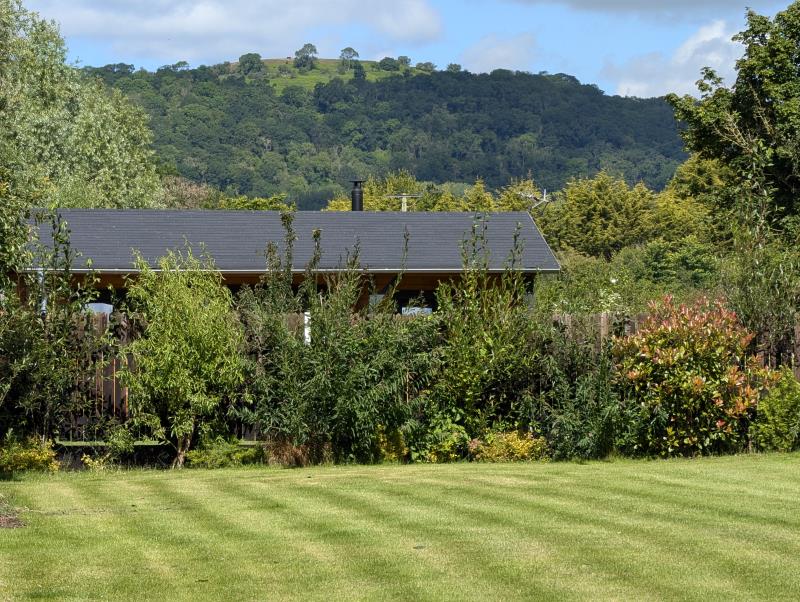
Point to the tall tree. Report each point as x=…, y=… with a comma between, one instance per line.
x=305, y=58
x=64, y=139
x=347, y=56
x=600, y=216
x=250, y=63
x=753, y=127
x=753, y=130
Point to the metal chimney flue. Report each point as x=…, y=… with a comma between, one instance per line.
x=357, y=196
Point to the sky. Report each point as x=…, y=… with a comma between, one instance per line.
x=638, y=48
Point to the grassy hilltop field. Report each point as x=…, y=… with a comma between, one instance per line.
x=324, y=71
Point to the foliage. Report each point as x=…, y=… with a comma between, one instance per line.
x=763, y=287
x=119, y=443
x=753, y=127
x=687, y=384
x=33, y=453
x=357, y=377
x=484, y=357
x=307, y=133
x=777, y=424
x=392, y=445
x=13, y=234
x=751, y=130
x=710, y=184
x=186, y=363
x=221, y=453
x=306, y=57
x=441, y=440
x=510, y=447
x=387, y=63
x=64, y=139
x=250, y=63
x=574, y=403
x=598, y=217
x=49, y=345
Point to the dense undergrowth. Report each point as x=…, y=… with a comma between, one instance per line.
x=489, y=376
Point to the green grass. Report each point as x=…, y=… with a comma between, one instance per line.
x=324, y=72
x=721, y=528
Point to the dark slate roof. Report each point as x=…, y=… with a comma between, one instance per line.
x=237, y=239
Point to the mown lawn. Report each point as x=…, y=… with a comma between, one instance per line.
x=722, y=528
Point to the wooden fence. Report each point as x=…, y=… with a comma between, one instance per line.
x=110, y=396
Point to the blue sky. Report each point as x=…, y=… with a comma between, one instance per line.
x=629, y=47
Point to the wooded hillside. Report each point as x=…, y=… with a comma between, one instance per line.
x=262, y=127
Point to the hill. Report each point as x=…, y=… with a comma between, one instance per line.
x=261, y=127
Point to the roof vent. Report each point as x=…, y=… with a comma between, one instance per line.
x=357, y=196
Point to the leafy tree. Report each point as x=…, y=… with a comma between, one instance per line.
x=477, y=198
x=426, y=67
x=359, y=73
x=186, y=362
x=404, y=61
x=599, y=216
x=251, y=63
x=347, y=56
x=305, y=59
x=387, y=63
x=753, y=127
x=519, y=195
x=64, y=139
x=711, y=184
x=454, y=68
x=13, y=235
x=753, y=130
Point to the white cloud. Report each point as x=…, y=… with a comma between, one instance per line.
x=655, y=74
x=677, y=9
x=211, y=30
x=495, y=51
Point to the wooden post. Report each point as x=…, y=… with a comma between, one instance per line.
x=604, y=328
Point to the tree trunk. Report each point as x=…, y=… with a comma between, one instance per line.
x=183, y=447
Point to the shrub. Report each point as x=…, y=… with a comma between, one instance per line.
x=509, y=447
x=187, y=362
x=360, y=371
x=31, y=454
x=49, y=346
x=577, y=404
x=777, y=424
x=221, y=453
x=119, y=443
x=484, y=357
x=392, y=445
x=688, y=386
x=441, y=440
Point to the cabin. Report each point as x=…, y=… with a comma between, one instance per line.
x=419, y=249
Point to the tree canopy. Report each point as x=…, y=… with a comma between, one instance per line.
x=753, y=126
x=307, y=134
x=64, y=138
